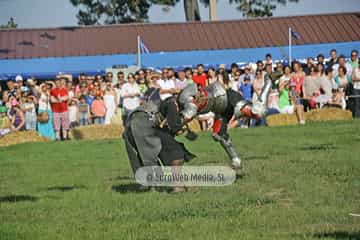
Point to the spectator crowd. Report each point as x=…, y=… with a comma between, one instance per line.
x=54, y=107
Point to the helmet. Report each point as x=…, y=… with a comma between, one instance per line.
x=239, y=106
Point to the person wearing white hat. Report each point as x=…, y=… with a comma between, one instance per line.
x=18, y=78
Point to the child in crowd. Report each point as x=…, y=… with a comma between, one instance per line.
x=289, y=102
x=84, y=111
x=5, y=123
x=17, y=118
x=294, y=95
x=73, y=113
x=98, y=110
x=312, y=101
x=91, y=97
x=30, y=113
x=246, y=89
x=12, y=102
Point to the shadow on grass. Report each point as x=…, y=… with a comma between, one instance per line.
x=17, y=198
x=119, y=178
x=256, y=158
x=239, y=175
x=340, y=235
x=65, y=188
x=137, y=188
x=318, y=147
x=129, y=188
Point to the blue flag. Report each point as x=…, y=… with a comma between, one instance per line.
x=143, y=47
x=295, y=35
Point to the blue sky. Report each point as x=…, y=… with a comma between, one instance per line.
x=55, y=13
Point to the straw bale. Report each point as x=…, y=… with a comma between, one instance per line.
x=92, y=132
x=316, y=115
x=21, y=137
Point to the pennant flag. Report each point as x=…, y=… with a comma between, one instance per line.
x=295, y=35
x=143, y=47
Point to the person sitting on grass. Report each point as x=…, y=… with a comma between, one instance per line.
x=290, y=103
x=336, y=99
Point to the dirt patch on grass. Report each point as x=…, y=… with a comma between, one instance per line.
x=281, y=196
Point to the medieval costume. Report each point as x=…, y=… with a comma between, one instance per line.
x=150, y=135
x=224, y=103
x=149, y=141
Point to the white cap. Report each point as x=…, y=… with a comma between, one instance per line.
x=18, y=78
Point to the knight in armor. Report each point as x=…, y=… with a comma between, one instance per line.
x=150, y=133
x=150, y=130
x=224, y=103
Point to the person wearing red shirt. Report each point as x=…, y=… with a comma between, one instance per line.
x=59, y=98
x=201, y=77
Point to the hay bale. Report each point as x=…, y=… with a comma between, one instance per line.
x=316, y=115
x=282, y=119
x=110, y=131
x=328, y=114
x=21, y=137
x=97, y=132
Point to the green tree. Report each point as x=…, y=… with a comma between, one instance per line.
x=10, y=24
x=124, y=11
x=111, y=11
x=258, y=8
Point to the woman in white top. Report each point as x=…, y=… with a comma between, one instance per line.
x=286, y=76
x=110, y=103
x=212, y=76
x=73, y=113
x=30, y=113
x=45, y=129
x=258, y=85
x=71, y=89
x=130, y=93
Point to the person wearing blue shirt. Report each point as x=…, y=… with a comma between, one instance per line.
x=90, y=98
x=246, y=89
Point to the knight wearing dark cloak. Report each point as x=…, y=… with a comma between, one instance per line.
x=150, y=132
x=148, y=142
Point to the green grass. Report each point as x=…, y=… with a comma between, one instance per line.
x=299, y=183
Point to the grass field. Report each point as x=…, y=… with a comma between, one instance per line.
x=299, y=183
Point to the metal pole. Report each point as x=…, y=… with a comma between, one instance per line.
x=138, y=52
x=290, y=57
x=213, y=10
